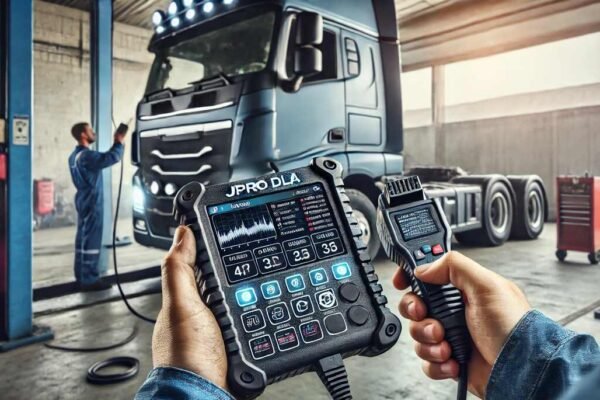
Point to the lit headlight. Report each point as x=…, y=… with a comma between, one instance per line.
x=157, y=17
x=228, y=2
x=154, y=188
x=208, y=7
x=170, y=189
x=138, y=199
x=190, y=14
x=175, y=22
x=188, y=3
x=160, y=29
x=172, y=10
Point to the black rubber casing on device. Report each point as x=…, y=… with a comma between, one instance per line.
x=248, y=377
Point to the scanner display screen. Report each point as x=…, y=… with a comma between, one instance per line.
x=416, y=224
x=274, y=232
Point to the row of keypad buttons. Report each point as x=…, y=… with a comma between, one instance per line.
x=295, y=283
x=287, y=338
x=279, y=313
x=436, y=250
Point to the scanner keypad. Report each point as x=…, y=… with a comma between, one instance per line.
x=289, y=314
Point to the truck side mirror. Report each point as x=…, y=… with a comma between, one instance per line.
x=309, y=29
x=303, y=31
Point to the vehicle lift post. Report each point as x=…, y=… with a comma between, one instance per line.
x=16, y=322
x=101, y=84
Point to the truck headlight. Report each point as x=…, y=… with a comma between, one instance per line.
x=208, y=7
x=138, y=199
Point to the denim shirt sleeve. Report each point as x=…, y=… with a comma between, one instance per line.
x=173, y=383
x=541, y=360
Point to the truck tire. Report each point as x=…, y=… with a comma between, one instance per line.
x=366, y=214
x=496, y=218
x=530, y=208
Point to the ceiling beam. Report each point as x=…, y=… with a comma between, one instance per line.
x=471, y=29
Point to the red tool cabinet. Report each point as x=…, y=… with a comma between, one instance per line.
x=578, y=216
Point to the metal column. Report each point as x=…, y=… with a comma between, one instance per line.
x=18, y=329
x=101, y=84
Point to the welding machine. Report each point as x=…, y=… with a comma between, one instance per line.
x=281, y=264
x=578, y=216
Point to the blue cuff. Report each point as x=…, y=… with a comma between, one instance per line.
x=175, y=383
x=524, y=358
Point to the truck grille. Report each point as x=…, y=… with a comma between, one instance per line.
x=177, y=156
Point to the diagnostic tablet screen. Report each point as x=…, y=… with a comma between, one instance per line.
x=274, y=232
x=416, y=224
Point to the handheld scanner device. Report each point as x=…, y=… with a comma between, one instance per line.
x=414, y=231
x=283, y=268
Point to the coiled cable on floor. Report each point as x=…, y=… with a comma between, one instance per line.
x=94, y=376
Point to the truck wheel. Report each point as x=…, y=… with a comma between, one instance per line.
x=529, y=210
x=497, y=217
x=366, y=214
x=561, y=255
x=594, y=258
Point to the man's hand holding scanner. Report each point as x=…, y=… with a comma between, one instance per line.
x=494, y=306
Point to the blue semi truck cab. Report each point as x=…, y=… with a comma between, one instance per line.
x=240, y=88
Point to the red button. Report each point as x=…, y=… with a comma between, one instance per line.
x=437, y=249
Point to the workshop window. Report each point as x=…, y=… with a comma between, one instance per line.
x=416, y=97
x=552, y=76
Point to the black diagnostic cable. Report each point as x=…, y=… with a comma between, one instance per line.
x=333, y=374
x=404, y=202
x=114, y=251
x=123, y=342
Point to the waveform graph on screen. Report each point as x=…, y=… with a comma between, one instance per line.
x=239, y=228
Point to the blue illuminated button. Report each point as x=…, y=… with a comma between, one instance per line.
x=270, y=290
x=318, y=276
x=245, y=297
x=341, y=271
x=426, y=249
x=294, y=283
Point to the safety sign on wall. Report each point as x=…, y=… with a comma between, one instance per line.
x=20, y=131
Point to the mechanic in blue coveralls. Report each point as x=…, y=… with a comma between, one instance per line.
x=86, y=167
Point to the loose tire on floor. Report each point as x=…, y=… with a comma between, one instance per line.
x=496, y=218
x=530, y=207
x=366, y=214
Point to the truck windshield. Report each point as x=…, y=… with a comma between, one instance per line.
x=238, y=48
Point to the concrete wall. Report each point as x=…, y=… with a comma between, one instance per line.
x=62, y=88
x=546, y=143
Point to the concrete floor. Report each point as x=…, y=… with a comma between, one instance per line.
x=53, y=253
x=561, y=291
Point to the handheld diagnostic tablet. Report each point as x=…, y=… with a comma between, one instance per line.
x=283, y=268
